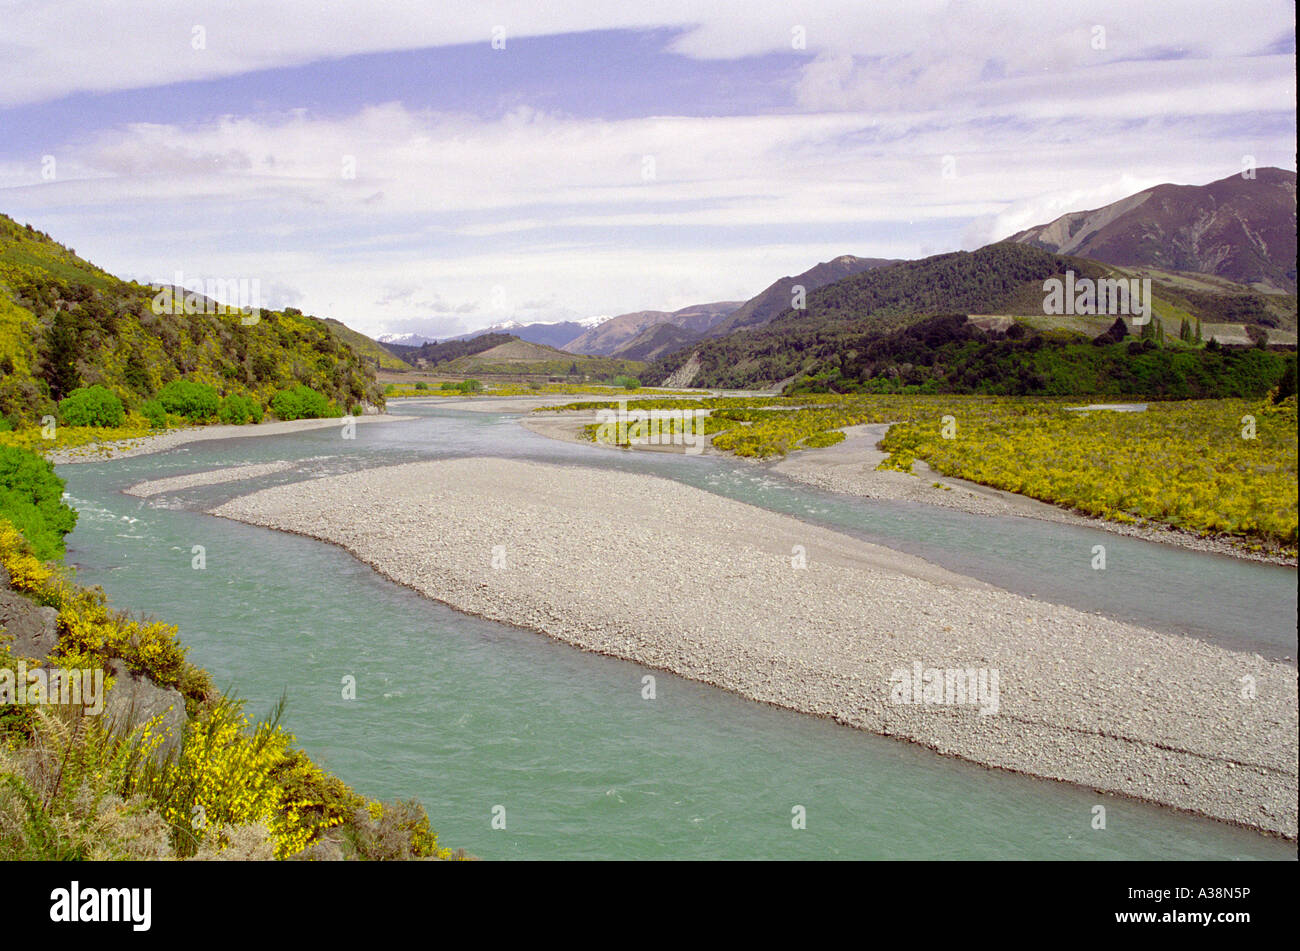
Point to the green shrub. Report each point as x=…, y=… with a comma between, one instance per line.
x=422, y=385
x=627, y=382
x=237, y=410
x=470, y=386
x=302, y=402
x=91, y=406
x=194, y=401
x=31, y=497
x=153, y=411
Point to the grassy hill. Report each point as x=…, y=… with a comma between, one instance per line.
x=775, y=299
x=1239, y=228
x=519, y=358
x=65, y=323
x=999, y=279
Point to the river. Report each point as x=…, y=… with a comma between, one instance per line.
x=468, y=715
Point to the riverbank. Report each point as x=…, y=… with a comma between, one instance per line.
x=171, y=438
x=712, y=589
x=849, y=468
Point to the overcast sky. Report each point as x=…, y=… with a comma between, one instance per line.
x=389, y=164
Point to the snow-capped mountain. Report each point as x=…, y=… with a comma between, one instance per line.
x=552, y=333
x=405, y=340
x=555, y=333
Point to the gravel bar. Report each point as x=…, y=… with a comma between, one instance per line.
x=675, y=578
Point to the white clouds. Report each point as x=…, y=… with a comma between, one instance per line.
x=444, y=209
x=51, y=48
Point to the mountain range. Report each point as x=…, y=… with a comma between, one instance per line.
x=1220, y=257
x=610, y=336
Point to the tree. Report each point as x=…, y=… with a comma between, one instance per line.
x=1287, y=385
x=1117, y=332
x=60, y=369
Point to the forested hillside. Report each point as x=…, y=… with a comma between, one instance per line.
x=65, y=324
x=999, y=279
x=845, y=321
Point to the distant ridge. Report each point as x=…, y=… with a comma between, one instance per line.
x=777, y=297
x=611, y=335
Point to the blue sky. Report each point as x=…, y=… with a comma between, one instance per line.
x=387, y=165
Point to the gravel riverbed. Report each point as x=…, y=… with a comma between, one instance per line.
x=759, y=603
x=152, y=487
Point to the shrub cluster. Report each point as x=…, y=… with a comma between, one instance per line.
x=302, y=402
x=195, y=401
x=91, y=406
x=31, y=499
x=155, y=413
x=237, y=410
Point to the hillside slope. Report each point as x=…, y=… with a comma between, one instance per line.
x=65, y=323
x=776, y=298
x=840, y=317
x=371, y=351
x=658, y=340
x=1000, y=281
x=1238, y=228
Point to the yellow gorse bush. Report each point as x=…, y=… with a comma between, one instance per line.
x=26, y=572
x=223, y=775
x=1209, y=466
x=33, y=438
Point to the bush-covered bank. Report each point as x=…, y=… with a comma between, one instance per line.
x=181, y=403
x=1213, y=467
x=31, y=500
x=74, y=785
x=947, y=354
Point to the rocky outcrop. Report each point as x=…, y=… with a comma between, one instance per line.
x=31, y=631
